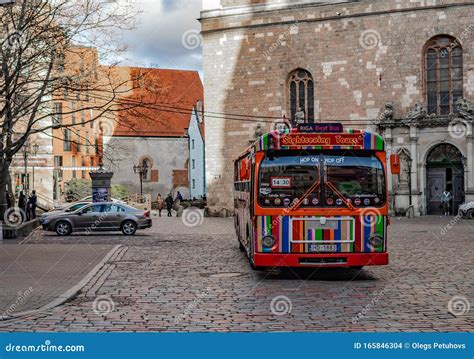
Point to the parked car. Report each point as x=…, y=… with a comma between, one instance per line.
x=467, y=210
x=109, y=216
x=70, y=208
x=87, y=199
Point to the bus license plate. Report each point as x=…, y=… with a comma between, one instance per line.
x=323, y=248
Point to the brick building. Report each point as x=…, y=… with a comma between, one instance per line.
x=405, y=67
x=59, y=154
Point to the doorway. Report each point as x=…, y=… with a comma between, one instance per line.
x=444, y=171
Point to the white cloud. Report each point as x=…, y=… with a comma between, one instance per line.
x=157, y=39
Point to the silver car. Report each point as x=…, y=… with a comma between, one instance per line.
x=109, y=216
x=70, y=208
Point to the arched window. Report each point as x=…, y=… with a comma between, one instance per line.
x=444, y=154
x=146, y=165
x=443, y=74
x=301, y=87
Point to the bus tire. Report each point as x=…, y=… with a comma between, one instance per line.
x=241, y=247
x=357, y=268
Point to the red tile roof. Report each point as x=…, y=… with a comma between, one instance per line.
x=166, y=99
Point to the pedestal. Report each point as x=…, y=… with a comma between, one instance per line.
x=101, y=185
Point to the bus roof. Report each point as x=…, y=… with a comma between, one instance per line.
x=296, y=140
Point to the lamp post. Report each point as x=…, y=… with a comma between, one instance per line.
x=465, y=172
x=25, y=161
x=141, y=170
x=410, y=162
x=35, y=152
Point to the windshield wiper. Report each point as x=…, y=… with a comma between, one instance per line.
x=305, y=195
x=340, y=195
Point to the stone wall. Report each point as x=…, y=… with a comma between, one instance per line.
x=360, y=54
x=169, y=157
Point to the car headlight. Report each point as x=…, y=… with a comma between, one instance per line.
x=268, y=241
x=375, y=240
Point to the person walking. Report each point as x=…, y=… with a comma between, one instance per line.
x=160, y=202
x=22, y=205
x=169, y=204
x=446, y=198
x=32, y=205
x=179, y=197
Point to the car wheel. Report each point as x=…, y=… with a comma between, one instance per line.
x=129, y=228
x=470, y=214
x=63, y=228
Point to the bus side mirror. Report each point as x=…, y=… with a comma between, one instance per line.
x=395, y=164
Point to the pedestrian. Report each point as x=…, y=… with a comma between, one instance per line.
x=446, y=202
x=22, y=205
x=160, y=203
x=179, y=197
x=32, y=205
x=169, y=204
x=22, y=201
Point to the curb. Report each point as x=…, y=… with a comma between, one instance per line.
x=67, y=295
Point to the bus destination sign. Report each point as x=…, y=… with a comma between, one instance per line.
x=325, y=140
x=321, y=128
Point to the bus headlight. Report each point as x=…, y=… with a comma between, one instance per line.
x=268, y=241
x=375, y=240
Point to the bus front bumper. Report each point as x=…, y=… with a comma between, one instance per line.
x=321, y=260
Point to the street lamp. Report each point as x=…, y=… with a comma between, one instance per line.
x=25, y=161
x=410, y=162
x=35, y=152
x=465, y=172
x=141, y=170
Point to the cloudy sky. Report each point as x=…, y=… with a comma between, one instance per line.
x=157, y=40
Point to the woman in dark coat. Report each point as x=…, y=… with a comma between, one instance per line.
x=169, y=204
x=22, y=205
x=22, y=201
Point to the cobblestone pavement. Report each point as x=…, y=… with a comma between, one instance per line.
x=178, y=278
x=33, y=275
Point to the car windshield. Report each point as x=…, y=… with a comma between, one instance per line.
x=347, y=178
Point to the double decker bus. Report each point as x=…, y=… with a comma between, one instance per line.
x=312, y=197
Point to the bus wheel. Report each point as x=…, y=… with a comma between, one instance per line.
x=241, y=247
x=357, y=268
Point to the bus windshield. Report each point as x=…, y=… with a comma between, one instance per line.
x=283, y=180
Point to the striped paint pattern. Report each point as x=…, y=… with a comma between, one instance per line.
x=358, y=231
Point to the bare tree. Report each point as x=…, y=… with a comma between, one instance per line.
x=42, y=58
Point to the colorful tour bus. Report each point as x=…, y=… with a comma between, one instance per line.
x=313, y=196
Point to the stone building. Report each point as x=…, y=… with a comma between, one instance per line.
x=154, y=134
x=403, y=67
